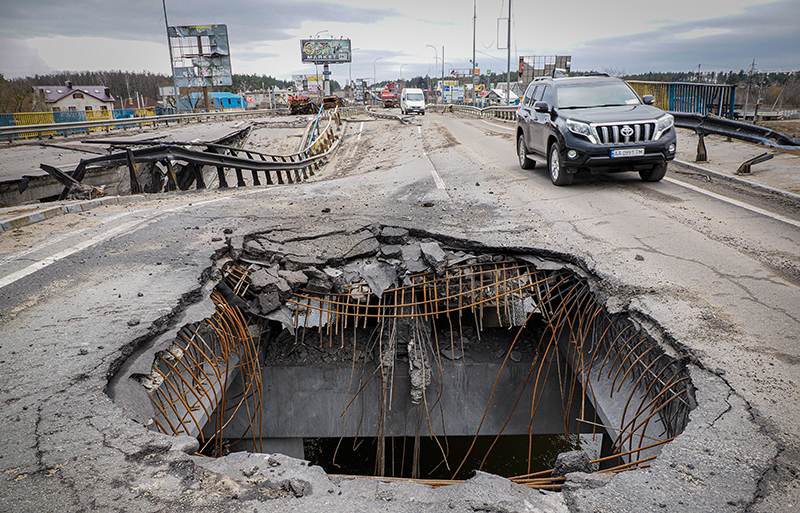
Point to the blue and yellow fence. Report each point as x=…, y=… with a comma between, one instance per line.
x=75, y=116
x=717, y=99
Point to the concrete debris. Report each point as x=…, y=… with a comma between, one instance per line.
x=318, y=281
x=434, y=256
x=412, y=257
x=380, y=277
x=391, y=251
x=572, y=461
x=295, y=279
x=584, y=481
x=269, y=301
x=453, y=354
x=419, y=370
x=392, y=235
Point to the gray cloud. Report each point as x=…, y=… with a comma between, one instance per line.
x=18, y=60
x=769, y=33
x=247, y=20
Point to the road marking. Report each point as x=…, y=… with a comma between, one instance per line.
x=360, y=129
x=436, y=178
x=419, y=130
x=16, y=276
x=499, y=126
x=734, y=202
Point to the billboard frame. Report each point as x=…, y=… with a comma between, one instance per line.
x=326, y=51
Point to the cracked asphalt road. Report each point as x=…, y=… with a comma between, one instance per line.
x=716, y=283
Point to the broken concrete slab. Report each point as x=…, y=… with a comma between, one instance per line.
x=412, y=258
x=318, y=281
x=295, y=279
x=434, y=255
x=393, y=235
x=380, y=277
x=571, y=461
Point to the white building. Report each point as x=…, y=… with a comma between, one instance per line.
x=69, y=97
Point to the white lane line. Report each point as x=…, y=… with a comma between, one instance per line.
x=436, y=178
x=360, y=129
x=499, y=126
x=16, y=276
x=734, y=202
x=419, y=130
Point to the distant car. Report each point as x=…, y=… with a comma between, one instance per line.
x=594, y=124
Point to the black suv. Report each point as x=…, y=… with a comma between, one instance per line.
x=596, y=124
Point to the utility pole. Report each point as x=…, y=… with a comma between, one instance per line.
x=508, y=62
x=442, y=73
x=747, y=94
x=474, y=21
x=171, y=64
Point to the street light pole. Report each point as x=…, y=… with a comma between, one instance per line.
x=435, y=70
x=474, y=22
x=508, y=63
x=171, y=64
x=374, y=75
x=401, y=71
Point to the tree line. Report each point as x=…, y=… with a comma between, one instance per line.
x=16, y=94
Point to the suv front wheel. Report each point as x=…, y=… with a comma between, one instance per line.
x=558, y=174
x=655, y=174
x=522, y=152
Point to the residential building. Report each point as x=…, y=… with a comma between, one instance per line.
x=72, y=98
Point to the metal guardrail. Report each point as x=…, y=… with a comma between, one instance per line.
x=709, y=124
x=293, y=168
x=40, y=130
x=502, y=112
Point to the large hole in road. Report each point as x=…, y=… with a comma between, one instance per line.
x=387, y=353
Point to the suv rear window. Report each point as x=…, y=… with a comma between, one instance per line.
x=577, y=96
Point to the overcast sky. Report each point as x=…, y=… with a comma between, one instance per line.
x=41, y=36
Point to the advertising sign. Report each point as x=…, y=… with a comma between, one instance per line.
x=325, y=51
x=201, y=55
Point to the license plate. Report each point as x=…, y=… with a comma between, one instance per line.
x=627, y=152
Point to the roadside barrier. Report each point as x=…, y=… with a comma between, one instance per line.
x=45, y=124
x=182, y=162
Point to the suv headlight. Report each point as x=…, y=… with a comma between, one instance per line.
x=663, y=124
x=576, y=127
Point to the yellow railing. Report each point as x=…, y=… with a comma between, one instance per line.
x=34, y=118
x=659, y=90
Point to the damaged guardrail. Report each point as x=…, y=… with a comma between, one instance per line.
x=710, y=124
x=182, y=163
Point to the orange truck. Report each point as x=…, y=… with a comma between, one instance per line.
x=389, y=96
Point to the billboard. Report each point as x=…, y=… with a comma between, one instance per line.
x=307, y=82
x=201, y=55
x=534, y=66
x=325, y=51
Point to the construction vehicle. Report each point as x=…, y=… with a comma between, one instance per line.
x=389, y=96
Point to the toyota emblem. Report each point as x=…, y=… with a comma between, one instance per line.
x=626, y=131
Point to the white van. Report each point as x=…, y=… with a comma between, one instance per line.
x=412, y=100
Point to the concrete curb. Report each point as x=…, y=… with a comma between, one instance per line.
x=739, y=181
x=47, y=213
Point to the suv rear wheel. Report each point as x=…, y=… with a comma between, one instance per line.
x=557, y=173
x=655, y=174
x=522, y=152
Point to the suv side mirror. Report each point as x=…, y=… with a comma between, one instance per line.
x=541, y=107
x=649, y=99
